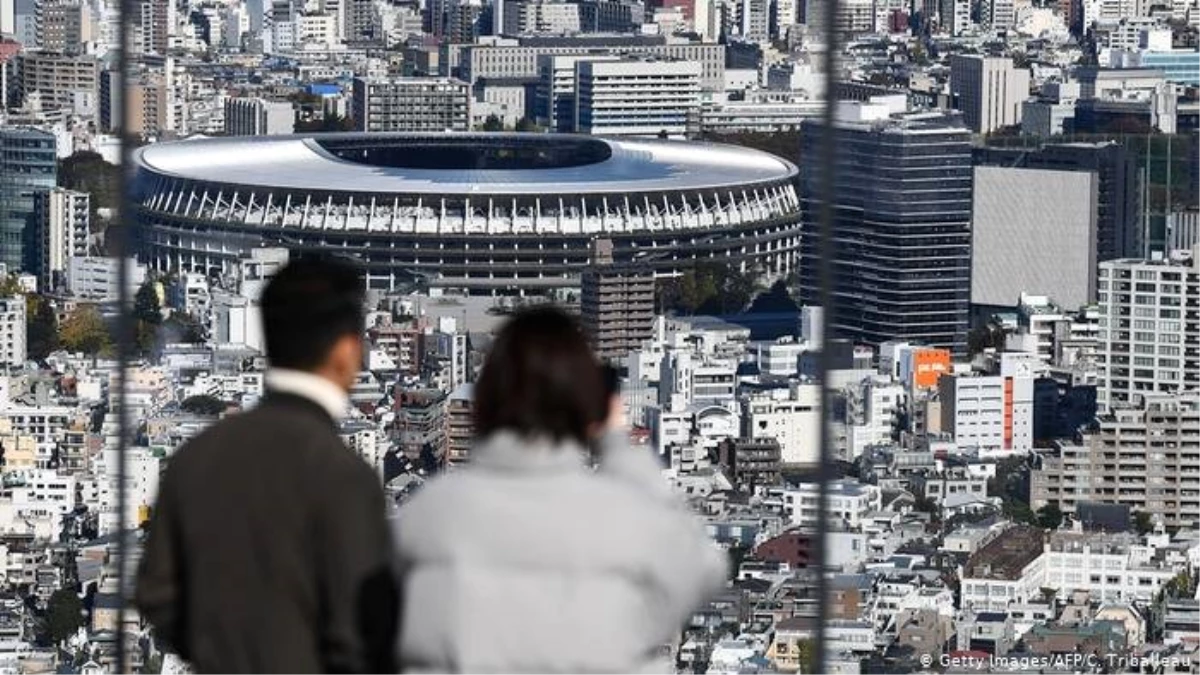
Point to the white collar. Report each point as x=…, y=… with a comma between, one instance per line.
x=312, y=387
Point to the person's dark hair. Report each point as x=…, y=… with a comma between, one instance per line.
x=307, y=307
x=540, y=379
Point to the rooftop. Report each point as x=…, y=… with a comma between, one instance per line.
x=1007, y=555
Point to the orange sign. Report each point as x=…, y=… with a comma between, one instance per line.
x=928, y=365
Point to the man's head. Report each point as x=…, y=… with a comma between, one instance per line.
x=312, y=313
x=541, y=379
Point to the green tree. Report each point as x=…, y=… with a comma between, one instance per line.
x=88, y=172
x=41, y=327
x=85, y=331
x=10, y=287
x=526, y=124
x=808, y=656
x=64, y=615
x=493, y=123
x=1050, y=516
x=1143, y=522
x=183, y=328
x=147, y=314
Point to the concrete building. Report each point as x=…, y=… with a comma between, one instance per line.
x=1044, y=242
x=540, y=17
x=1117, y=202
x=90, y=278
x=902, y=201
x=1112, y=567
x=28, y=165
x=617, y=304
x=12, y=332
x=1007, y=570
x=63, y=25
x=554, y=104
x=989, y=91
x=1144, y=455
x=258, y=117
x=411, y=104
x=1119, y=97
x=56, y=78
x=792, y=417
x=993, y=413
x=63, y=218
x=636, y=98
x=1150, y=328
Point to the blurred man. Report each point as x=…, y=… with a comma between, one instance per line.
x=269, y=549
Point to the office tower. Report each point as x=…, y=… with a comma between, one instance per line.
x=955, y=16
x=1150, y=328
x=998, y=14
x=12, y=331
x=1043, y=242
x=258, y=117
x=901, y=234
x=58, y=78
x=990, y=91
x=1117, y=193
x=363, y=23
x=540, y=17
x=1144, y=455
x=63, y=218
x=616, y=303
x=619, y=16
x=28, y=165
x=636, y=97
x=411, y=104
x=783, y=17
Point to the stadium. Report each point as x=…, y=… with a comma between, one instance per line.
x=480, y=213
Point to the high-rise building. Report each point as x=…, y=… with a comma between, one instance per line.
x=1043, y=243
x=1149, y=328
x=63, y=218
x=1117, y=194
x=901, y=235
x=63, y=25
x=8, y=17
x=12, y=332
x=754, y=20
x=1144, y=455
x=28, y=165
x=616, y=304
x=544, y=17
x=554, y=105
x=154, y=26
x=258, y=117
x=411, y=104
x=636, y=97
x=990, y=91
x=58, y=78
x=363, y=23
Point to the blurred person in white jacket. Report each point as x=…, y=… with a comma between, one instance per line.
x=559, y=548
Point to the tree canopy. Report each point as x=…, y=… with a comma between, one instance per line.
x=88, y=172
x=84, y=330
x=203, y=405
x=64, y=615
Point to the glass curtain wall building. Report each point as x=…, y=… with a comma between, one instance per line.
x=902, y=226
x=28, y=165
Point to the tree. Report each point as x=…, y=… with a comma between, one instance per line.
x=88, y=172
x=182, y=328
x=64, y=615
x=41, y=327
x=146, y=306
x=85, y=331
x=203, y=405
x=528, y=125
x=1050, y=516
x=493, y=123
x=1143, y=522
x=808, y=657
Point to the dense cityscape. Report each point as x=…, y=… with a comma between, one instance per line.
x=1003, y=392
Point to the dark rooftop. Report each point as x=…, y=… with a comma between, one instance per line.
x=1004, y=557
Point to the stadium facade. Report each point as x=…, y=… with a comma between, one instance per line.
x=483, y=213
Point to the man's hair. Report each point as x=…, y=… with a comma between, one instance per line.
x=540, y=379
x=307, y=307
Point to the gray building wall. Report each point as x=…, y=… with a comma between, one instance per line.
x=1033, y=231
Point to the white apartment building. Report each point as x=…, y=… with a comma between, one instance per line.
x=1112, y=567
x=1149, y=328
x=791, y=416
x=636, y=97
x=258, y=117
x=781, y=358
x=849, y=502
x=990, y=91
x=991, y=412
x=64, y=217
x=12, y=332
x=42, y=494
x=686, y=379
x=554, y=105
